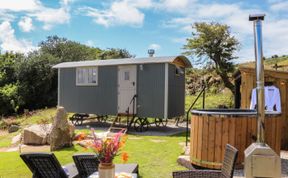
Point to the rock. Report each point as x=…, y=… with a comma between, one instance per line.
x=16, y=139
x=62, y=131
x=85, y=143
x=185, y=161
x=13, y=128
x=37, y=134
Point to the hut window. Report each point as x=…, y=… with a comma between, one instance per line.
x=87, y=76
x=179, y=71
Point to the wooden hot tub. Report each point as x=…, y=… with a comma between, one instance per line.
x=211, y=130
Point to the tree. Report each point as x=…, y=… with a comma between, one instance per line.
x=66, y=50
x=214, y=42
x=115, y=53
x=36, y=81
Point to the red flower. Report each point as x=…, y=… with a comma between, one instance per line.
x=125, y=157
x=80, y=136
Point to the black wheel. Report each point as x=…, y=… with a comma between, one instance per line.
x=141, y=124
x=164, y=122
x=77, y=119
x=158, y=122
x=161, y=122
x=79, y=122
x=104, y=118
x=101, y=118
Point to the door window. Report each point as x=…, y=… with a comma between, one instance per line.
x=126, y=75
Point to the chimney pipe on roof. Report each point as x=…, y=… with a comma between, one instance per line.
x=151, y=52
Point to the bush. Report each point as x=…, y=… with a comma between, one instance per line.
x=9, y=99
x=37, y=88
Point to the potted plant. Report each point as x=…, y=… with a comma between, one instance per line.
x=107, y=148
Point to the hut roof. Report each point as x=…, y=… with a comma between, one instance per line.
x=177, y=60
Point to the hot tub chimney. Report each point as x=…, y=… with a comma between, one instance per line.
x=260, y=159
x=257, y=20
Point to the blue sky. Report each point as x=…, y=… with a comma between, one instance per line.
x=138, y=25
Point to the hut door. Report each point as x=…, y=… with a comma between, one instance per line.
x=126, y=88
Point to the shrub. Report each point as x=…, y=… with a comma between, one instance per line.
x=9, y=99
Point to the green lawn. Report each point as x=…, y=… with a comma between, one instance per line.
x=5, y=140
x=211, y=100
x=156, y=156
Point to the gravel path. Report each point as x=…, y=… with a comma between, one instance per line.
x=170, y=129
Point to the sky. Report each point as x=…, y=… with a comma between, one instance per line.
x=139, y=25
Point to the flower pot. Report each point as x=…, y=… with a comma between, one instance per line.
x=106, y=170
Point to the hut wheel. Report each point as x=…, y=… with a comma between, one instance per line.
x=102, y=118
x=141, y=124
x=76, y=119
x=164, y=122
x=161, y=122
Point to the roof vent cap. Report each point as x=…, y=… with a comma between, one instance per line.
x=151, y=52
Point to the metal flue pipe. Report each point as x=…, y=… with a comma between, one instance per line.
x=260, y=159
x=257, y=20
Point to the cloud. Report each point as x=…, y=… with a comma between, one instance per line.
x=232, y=14
x=20, y=5
x=274, y=1
x=181, y=40
x=140, y=3
x=26, y=24
x=154, y=46
x=51, y=17
x=125, y=12
x=275, y=37
x=10, y=43
x=280, y=6
x=66, y=2
x=34, y=8
x=5, y=16
x=173, y=5
x=90, y=43
x=217, y=10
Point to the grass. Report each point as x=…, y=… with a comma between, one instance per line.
x=270, y=62
x=43, y=114
x=156, y=156
x=5, y=140
x=211, y=100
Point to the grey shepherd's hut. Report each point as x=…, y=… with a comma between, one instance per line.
x=108, y=87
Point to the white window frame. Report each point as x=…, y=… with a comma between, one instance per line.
x=86, y=76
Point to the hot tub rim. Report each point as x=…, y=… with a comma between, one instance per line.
x=232, y=112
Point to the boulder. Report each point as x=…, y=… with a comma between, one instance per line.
x=62, y=131
x=16, y=139
x=185, y=161
x=13, y=128
x=37, y=134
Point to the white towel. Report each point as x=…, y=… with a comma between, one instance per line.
x=272, y=99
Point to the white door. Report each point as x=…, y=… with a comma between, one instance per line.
x=127, y=76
